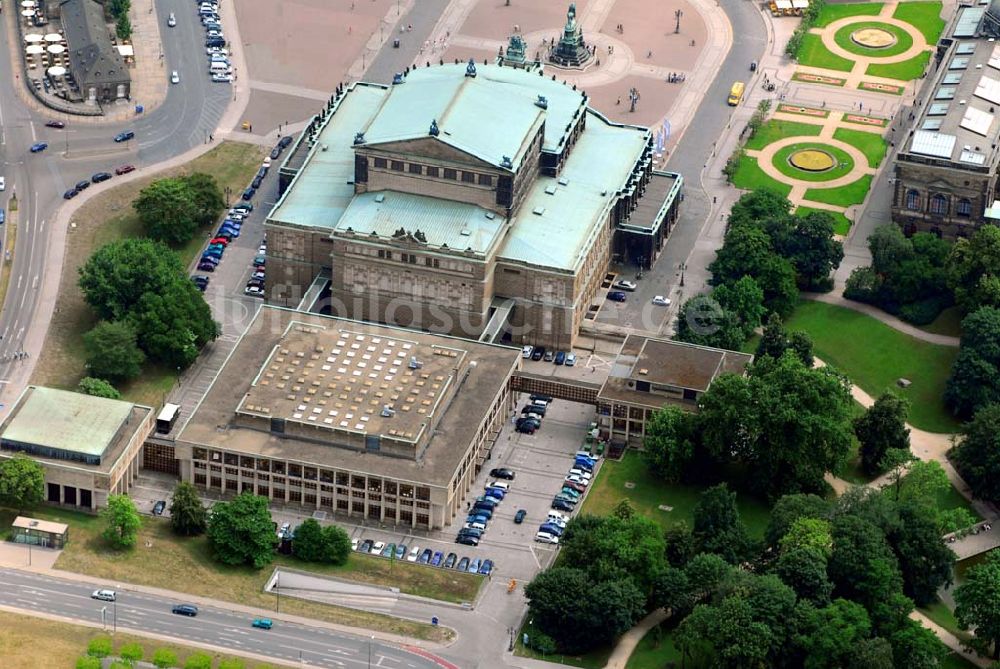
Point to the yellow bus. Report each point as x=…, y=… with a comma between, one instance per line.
x=736, y=93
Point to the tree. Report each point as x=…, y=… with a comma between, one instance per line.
x=207, y=197
x=309, y=543
x=811, y=248
x=801, y=345
x=977, y=604
x=977, y=455
x=123, y=27
x=198, y=660
x=623, y=510
x=22, y=482
x=610, y=548
x=543, y=643
x=99, y=647
x=579, y=614
x=242, y=532
x=776, y=340
x=118, y=274
x=758, y=205
x=112, y=351
x=747, y=251
x=727, y=631
x=706, y=572
x=89, y=662
x=975, y=375
x=670, y=442
x=804, y=570
x=168, y=210
x=704, y=321
x=164, y=658
x=718, y=527
x=924, y=560
x=175, y=325
x=789, y=509
x=672, y=591
x=744, y=299
x=188, y=516
x=131, y=652
x=338, y=544
x=829, y=635
x=880, y=429
x=679, y=544
x=873, y=653
x=231, y=663
x=812, y=533
x=916, y=647
x=889, y=248
x=90, y=385
x=972, y=269
x=122, y=521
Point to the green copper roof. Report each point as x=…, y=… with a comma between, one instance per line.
x=491, y=115
x=557, y=221
x=457, y=225
x=66, y=421
x=324, y=186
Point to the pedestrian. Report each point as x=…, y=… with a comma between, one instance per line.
x=649, y=54
x=619, y=100
x=211, y=137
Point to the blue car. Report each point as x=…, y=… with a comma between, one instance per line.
x=210, y=258
x=551, y=529
x=425, y=557
x=249, y=193
x=474, y=566
x=39, y=147
x=226, y=230
x=124, y=136
x=560, y=358
x=437, y=559
x=498, y=493
x=213, y=252
x=486, y=568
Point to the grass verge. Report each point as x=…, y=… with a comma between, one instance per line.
x=773, y=130
x=814, y=53
x=874, y=356
x=749, y=176
x=948, y=322
x=924, y=16
x=869, y=143
x=163, y=560
x=648, y=494
x=25, y=641
x=842, y=224
x=106, y=218
x=842, y=162
x=906, y=70
x=845, y=196
x=831, y=13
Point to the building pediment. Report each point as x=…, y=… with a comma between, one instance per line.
x=430, y=148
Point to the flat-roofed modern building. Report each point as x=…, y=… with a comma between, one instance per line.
x=89, y=446
x=946, y=170
x=374, y=422
x=466, y=199
x=649, y=374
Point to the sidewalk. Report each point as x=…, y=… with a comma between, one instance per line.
x=629, y=640
x=836, y=298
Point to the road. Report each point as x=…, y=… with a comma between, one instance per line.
x=191, y=111
x=313, y=646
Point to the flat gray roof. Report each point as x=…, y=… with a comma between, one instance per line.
x=65, y=421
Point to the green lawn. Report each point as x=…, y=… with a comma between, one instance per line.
x=656, y=649
x=843, y=163
x=845, y=196
x=955, y=661
x=948, y=322
x=649, y=493
x=874, y=356
x=844, y=41
x=869, y=143
x=164, y=560
x=831, y=13
x=749, y=176
x=925, y=16
x=814, y=54
x=842, y=224
x=774, y=130
x=940, y=614
x=904, y=71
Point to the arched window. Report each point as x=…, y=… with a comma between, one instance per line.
x=964, y=208
x=939, y=204
x=913, y=200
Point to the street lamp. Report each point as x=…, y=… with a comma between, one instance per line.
x=370, y=640
x=277, y=592
x=32, y=524
x=678, y=14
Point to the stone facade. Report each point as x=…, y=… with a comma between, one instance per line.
x=929, y=196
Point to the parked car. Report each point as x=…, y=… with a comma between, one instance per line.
x=38, y=147
x=262, y=171
x=425, y=557
x=100, y=176
x=249, y=193
x=519, y=516
x=486, y=568
x=561, y=505
x=262, y=623
x=284, y=530
x=125, y=136
x=526, y=428
x=467, y=540
x=254, y=291
x=526, y=351
x=104, y=595
x=437, y=559
x=538, y=353
x=82, y=185
x=463, y=564
x=241, y=207
x=450, y=561
x=560, y=358
x=366, y=546
x=354, y=544
x=616, y=296
x=570, y=359
x=205, y=266
x=161, y=505
x=625, y=285
x=546, y=538
x=414, y=553
x=59, y=125
x=200, y=281
x=185, y=610
x=285, y=141
x=474, y=566
x=400, y=552
x=124, y=169
x=377, y=547
x=552, y=529
x=255, y=184
x=661, y=301
x=219, y=77
x=549, y=356
x=503, y=473
x=70, y=194
x=275, y=152
x=388, y=551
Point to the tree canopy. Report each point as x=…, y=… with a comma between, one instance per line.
x=22, y=482
x=975, y=375
x=977, y=604
x=880, y=429
x=122, y=521
x=172, y=209
x=977, y=455
x=112, y=351
x=315, y=543
x=973, y=269
x=188, y=516
x=242, y=532
x=90, y=385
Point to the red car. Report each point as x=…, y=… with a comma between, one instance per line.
x=124, y=169
x=220, y=240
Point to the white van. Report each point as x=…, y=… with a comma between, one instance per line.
x=218, y=67
x=555, y=515
x=503, y=485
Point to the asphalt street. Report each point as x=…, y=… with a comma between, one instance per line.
x=312, y=646
x=423, y=16
x=190, y=111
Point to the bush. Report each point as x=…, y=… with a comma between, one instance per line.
x=90, y=385
x=543, y=643
x=164, y=658
x=198, y=661
x=131, y=652
x=88, y=662
x=924, y=311
x=99, y=646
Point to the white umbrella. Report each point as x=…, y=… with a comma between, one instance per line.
x=34, y=49
x=56, y=71
x=33, y=37
x=27, y=12
x=56, y=48
x=53, y=37
x=28, y=4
